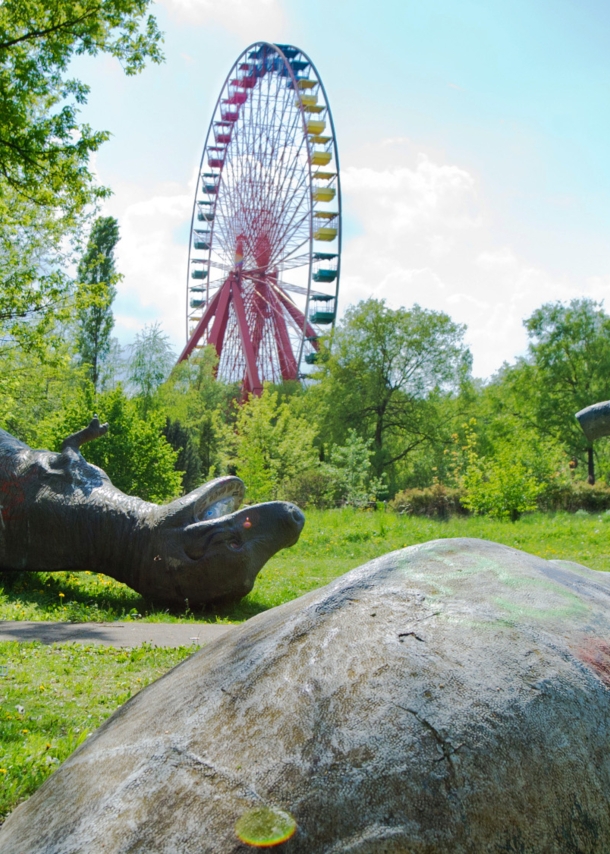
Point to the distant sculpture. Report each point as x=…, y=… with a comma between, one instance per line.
x=595, y=423
x=450, y=697
x=59, y=512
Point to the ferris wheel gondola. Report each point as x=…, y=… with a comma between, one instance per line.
x=265, y=243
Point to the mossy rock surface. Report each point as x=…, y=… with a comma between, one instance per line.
x=453, y=696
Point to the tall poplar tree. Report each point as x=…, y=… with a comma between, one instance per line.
x=95, y=293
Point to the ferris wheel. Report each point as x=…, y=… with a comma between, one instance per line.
x=265, y=242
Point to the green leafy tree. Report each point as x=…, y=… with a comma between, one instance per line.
x=134, y=453
x=351, y=471
x=273, y=445
x=44, y=151
x=187, y=460
x=204, y=406
x=567, y=368
x=46, y=185
x=151, y=361
x=511, y=478
x=95, y=292
x=382, y=378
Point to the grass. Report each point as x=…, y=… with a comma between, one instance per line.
x=53, y=697
x=333, y=542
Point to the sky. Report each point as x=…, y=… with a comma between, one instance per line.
x=473, y=143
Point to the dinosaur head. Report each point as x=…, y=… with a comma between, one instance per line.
x=204, y=549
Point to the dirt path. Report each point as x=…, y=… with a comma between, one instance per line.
x=118, y=634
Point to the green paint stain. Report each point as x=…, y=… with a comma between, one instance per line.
x=264, y=827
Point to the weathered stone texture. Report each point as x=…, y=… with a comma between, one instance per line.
x=450, y=697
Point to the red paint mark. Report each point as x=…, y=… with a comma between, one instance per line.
x=13, y=495
x=595, y=653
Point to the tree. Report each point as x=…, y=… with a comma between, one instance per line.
x=349, y=467
x=134, y=453
x=567, y=368
x=204, y=406
x=187, y=461
x=273, y=445
x=95, y=293
x=151, y=361
x=383, y=377
x=44, y=151
x=46, y=186
x=510, y=478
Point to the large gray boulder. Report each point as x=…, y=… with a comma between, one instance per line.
x=450, y=697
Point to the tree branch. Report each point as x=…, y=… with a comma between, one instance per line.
x=40, y=34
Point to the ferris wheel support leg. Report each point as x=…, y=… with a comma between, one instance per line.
x=200, y=328
x=253, y=382
x=288, y=364
x=219, y=326
x=299, y=318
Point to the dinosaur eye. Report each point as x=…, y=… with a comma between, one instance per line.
x=235, y=545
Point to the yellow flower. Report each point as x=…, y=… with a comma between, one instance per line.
x=2, y=770
x=24, y=731
x=41, y=688
x=61, y=595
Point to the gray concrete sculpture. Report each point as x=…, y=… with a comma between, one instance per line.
x=594, y=421
x=59, y=512
x=450, y=697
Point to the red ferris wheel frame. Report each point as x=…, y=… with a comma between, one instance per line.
x=266, y=206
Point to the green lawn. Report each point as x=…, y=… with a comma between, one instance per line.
x=52, y=697
x=332, y=543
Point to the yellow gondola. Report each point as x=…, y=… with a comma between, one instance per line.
x=321, y=158
x=316, y=126
x=324, y=194
x=325, y=233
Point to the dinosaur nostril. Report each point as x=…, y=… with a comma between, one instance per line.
x=297, y=516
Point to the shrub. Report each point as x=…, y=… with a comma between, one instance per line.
x=313, y=488
x=436, y=501
x=574, y=496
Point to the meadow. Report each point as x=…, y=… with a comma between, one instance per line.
x=51, y=697
x=332, y=542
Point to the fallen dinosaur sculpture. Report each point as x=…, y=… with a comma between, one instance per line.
x=59, y=512
x=449, y=698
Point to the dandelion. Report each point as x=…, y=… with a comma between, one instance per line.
x=62, y=595
x=25, y=731
x=3, y=771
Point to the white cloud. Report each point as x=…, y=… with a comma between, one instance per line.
x=427, y=237
x=250, y=19
x=152, y=256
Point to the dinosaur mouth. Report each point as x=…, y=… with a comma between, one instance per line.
x=221, y=497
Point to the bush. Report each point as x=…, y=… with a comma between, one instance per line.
x=313, y=488
x=436, y=501
x=575, y=496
